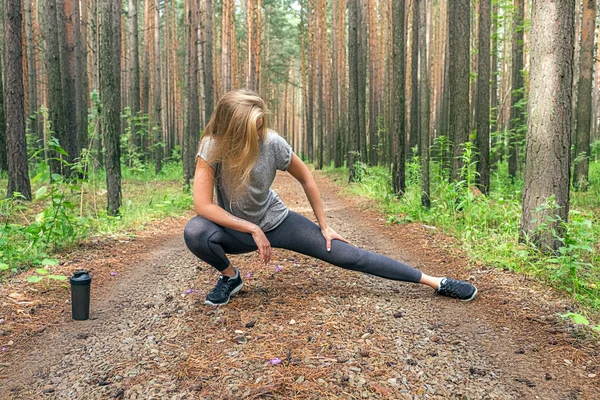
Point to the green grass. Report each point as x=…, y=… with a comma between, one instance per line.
x=64, y=213
x=488, y=226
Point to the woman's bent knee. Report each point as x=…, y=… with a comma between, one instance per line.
x=197, y=231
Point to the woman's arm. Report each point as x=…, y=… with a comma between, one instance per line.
x=302, y=174
x=204, y=207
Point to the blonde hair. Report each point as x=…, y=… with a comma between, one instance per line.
x=233, y=127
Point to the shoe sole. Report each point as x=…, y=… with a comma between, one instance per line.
x=234, y=291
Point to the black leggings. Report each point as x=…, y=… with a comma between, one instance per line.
x=209, y=242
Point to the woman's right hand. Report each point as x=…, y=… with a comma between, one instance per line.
x=263, y=244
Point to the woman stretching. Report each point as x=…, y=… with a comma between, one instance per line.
x=238, y=157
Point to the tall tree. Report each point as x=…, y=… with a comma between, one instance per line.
x=3, y=151
x=413, y=136
x=353, y=96
x=424, y=105
x=549, y=123
x=398, y=103
x=74, y=75
x=110, y=92
x=193, y=112
x=362, y=60
x=208, y=64
x=31, y=113
x=156, y=120
x=516, y=111
x=459, y=25
x=226, y=45
x=373, y=89
x=56, y=106
x=16, y=145
x=482, y=110
x=584, y=97
x=134, y=71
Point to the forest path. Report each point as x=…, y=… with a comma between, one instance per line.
x=339, y=334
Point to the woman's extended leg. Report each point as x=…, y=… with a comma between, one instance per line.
x=299, y=234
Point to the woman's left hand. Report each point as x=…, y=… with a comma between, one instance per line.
x=329, y=234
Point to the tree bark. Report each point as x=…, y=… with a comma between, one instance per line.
x=424, y=105
x=31, y=113
x=56, y=109
x=193, y=110
x=373, y=87
x=398, y=102
x=134, y=73
x=353, y=96
x=68, y=66
x=482, y=111
x=414, y=83
x=110, y=84
x=3, y=150
x=584, y=97
x=14, y=103
x=156, y=95
x=549, y=123
x=516, y=113
x=362, y=61
x=459, y=79
x=208, y=63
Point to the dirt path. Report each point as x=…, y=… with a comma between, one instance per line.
x=338, y=334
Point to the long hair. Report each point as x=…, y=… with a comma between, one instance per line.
x=233, y=127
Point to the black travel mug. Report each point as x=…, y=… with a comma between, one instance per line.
x=80, y=295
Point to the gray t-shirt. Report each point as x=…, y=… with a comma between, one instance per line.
x=258, y=204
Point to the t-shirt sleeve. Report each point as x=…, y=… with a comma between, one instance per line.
x=283, y=153
x=205, y=150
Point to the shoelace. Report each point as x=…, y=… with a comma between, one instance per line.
x=222, y=286
x=450, y=287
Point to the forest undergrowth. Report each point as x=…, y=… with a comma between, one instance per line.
x=65, y=211
x=488, y=226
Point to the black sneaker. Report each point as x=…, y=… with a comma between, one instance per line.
x=458, y=289
x=224, y=289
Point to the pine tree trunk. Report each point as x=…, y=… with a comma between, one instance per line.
x=584, y=97
x=3, y=151
x=398, y=101
x=156, y=96
x=311, y=88
x=362, y=61
x=81, y=78
x=424, y=105
x=482, y=112
x=110, y=92
x=145, y=80
x=56, y=110
x=14, y=102
x=549, y=123
x=193, y=110
x=495, y=73
x=516, y=113
x=208, y=62
x=353, y=96
x=459, y=79
x=134, y=73
x=31, y=113
x=414, y=94
x=373, y=88
x=226, y=47
x=68, y=66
